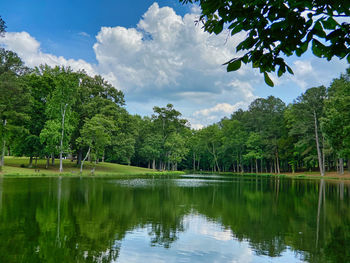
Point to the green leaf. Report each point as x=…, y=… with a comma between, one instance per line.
x=330, y=23
x=218, y=28
x=233, y=66
x=290, y=70
x=280, y=72
x=318, y=30
x=348, y=58
x=316, y=49
x=267, y=79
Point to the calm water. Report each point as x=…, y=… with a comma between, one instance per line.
x=187, y=219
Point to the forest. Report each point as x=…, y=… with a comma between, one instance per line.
x=56, y=113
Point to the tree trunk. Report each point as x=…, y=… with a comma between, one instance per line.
x=319, y=155
x=154, y=164
x=256, y=166
x=323, y=156
x=80, y=156
x=2, y=160
x=53, y=159
x=47, y=162
x=341, y=165
x=62, y=136
x=30, y=162
x=277, y=162
x=194, y=161
x=94, y=167
x=82, y=163
x=271, y=167
x=349, y=164
x=215, y=159
x=1, y=183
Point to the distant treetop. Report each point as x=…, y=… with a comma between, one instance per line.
x=2, y=27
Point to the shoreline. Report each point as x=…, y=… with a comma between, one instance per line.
x=299, y=175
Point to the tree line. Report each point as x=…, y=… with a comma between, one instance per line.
x=55, y=112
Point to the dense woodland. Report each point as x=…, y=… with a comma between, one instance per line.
x=56, y=113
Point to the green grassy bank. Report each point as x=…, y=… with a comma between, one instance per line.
x=18, y=167
x=299, y=175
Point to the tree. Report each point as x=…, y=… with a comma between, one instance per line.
x=336, y=121
x=41, y=84
x=265, y=116
x=60, y=104
x=94, y=96
x=304, y=121
x=210, y=137
x=275, y=29
x=2, y=27
x=234, y=136
x=96, y=134
x=50, y=137
x=254, y=147
x=14, y=97
x=167, y=121
x=176, y=149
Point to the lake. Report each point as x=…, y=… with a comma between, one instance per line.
x=185, y=219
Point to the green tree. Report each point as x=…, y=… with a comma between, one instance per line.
x=94, y=96
x=176, y=149
x=40, y=82
x=96, y=134
x=50, y=137
x=2, y=27
x=234, y=136
x=167, y=121
x=265, y=116
x=275, y=29
x=254, y=148
x=303, y=119
x=14, y=97
x=336, y=121
x=59, y=106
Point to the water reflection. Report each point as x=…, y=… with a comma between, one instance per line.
x=191, y=219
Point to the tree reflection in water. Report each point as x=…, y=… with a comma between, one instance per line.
x=88, y=220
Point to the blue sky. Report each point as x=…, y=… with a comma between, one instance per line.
x=57, y=24
x=153, y=52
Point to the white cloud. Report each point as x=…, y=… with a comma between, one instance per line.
x=28, y=48
x=168, y=58
x=84, y=34
x=220, y=108
x=315, y=72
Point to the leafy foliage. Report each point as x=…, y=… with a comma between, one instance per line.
x=274, y=29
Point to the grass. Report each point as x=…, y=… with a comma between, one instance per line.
x=18, y=167
x=300, y=175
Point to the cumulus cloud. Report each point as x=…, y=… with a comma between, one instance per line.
x=224, y=108
x=28, y=48
x=315, y=72
x=168, y=58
